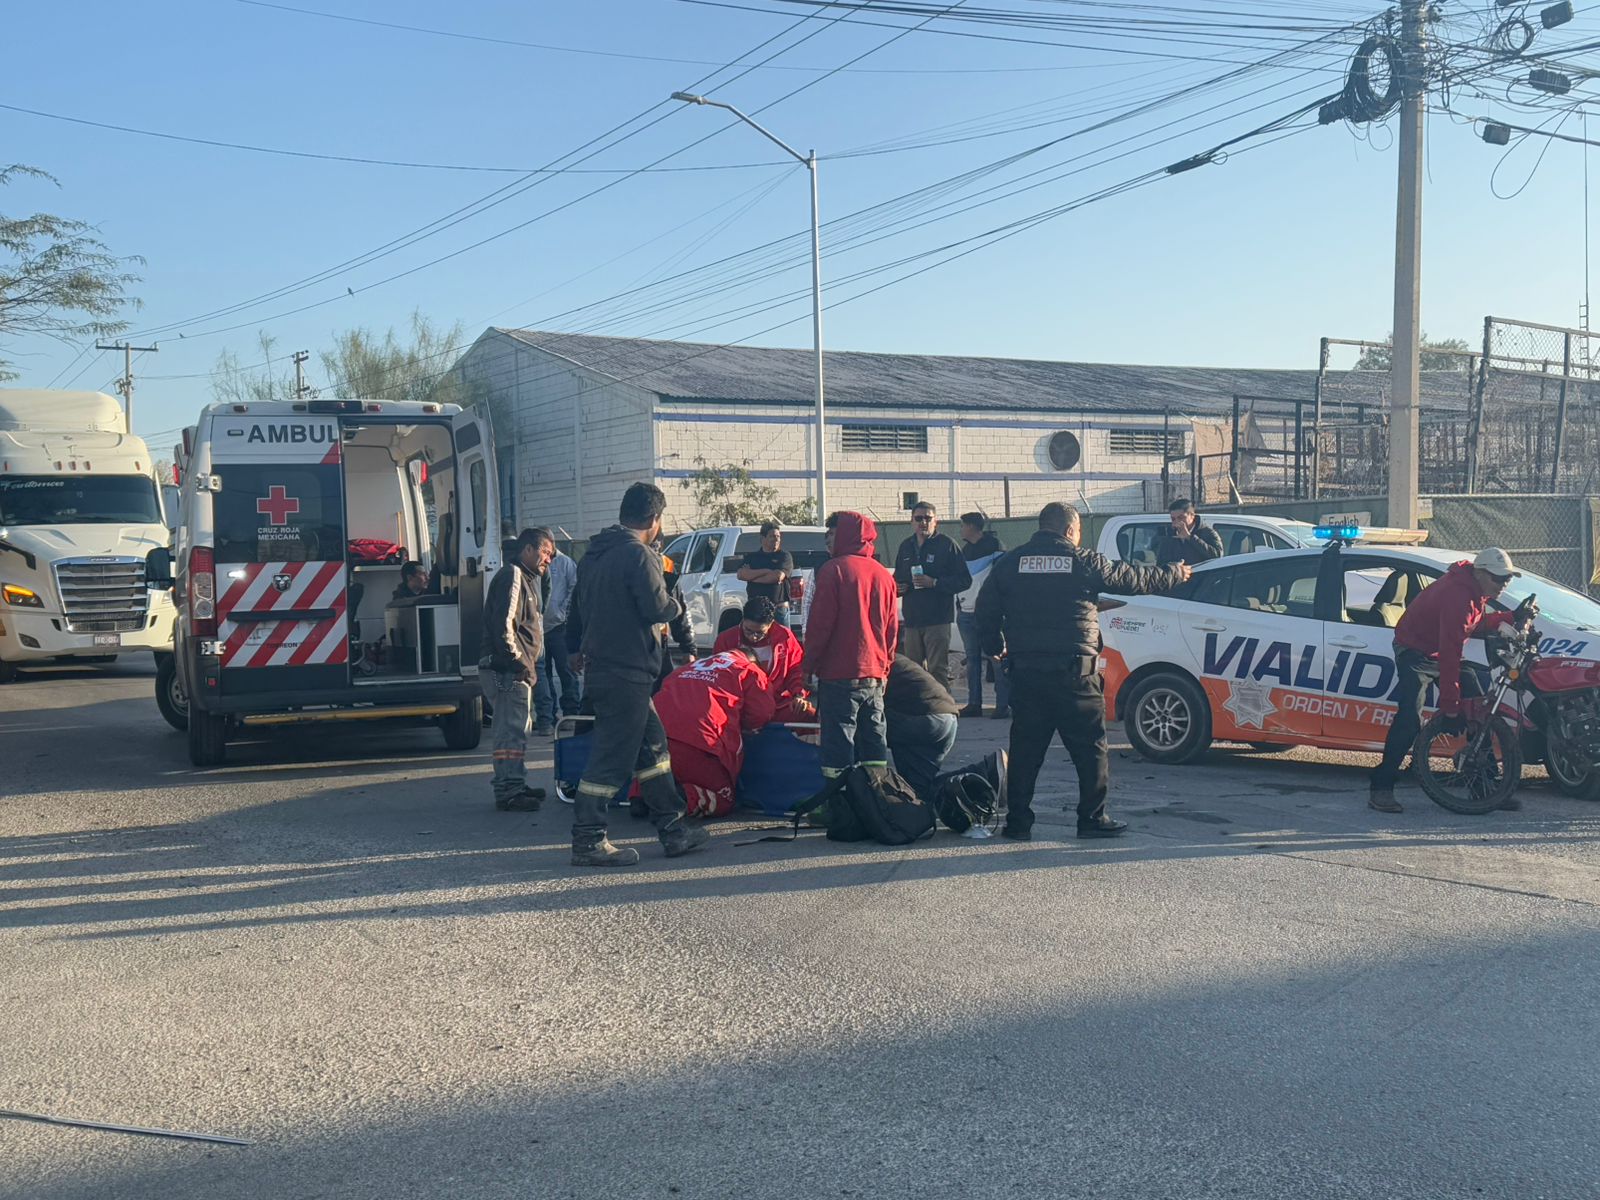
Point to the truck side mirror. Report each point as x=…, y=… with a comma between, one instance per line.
x=158, y=569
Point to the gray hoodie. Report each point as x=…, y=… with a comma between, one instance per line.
x=621, y=598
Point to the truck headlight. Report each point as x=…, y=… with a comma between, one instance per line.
x=20, y=596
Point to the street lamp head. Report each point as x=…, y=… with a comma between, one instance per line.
x=688, y=98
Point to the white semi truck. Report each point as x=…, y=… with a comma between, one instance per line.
x=79, y=511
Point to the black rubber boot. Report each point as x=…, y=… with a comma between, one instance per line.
x=682, y=836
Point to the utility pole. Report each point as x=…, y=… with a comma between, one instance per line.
x=125, y=384
x=1405, y=381
x=300, y=385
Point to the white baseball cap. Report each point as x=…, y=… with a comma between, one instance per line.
x=1495, y=561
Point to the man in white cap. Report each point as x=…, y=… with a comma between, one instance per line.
x=1435, y=629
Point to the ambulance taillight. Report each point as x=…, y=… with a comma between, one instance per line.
x=203, y=592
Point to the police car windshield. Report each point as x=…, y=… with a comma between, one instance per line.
x=1302, y=532
x=1556, y=603
x=79, y=500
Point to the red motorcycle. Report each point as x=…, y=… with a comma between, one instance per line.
x=1556, y=706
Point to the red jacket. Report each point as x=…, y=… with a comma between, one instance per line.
x=780, y=656
x=1440, y=620
x=853, y=625
x=709, y=703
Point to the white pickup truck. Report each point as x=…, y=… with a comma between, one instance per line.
x=708, y=562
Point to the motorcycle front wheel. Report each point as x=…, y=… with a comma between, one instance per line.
x=1473, y=772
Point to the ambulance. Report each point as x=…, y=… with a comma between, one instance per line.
x=294, y=521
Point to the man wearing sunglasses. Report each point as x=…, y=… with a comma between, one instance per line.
x=929, y=573
x=1435, y=629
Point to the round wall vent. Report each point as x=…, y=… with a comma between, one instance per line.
x=1064, y=451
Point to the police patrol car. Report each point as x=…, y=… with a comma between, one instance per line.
x=294, y=519
x=1293, y=647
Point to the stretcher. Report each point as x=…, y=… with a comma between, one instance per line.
x=782, y=764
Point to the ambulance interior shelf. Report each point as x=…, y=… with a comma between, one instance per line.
x=399, y=491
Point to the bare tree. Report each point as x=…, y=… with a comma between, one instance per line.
x=236, y=382
x=56, y=278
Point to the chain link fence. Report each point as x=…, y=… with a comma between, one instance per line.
x=1534, y=425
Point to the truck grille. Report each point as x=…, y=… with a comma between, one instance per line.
x=102, y=595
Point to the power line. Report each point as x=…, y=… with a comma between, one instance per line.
x=507, y=191
x=373, y=162
x=693, y=62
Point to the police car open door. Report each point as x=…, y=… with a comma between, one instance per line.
x=282, y=587
x=470, y=534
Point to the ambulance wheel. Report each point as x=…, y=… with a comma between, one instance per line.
x=8, y=672
x=170, y=696
x=208, y=738
x=463, y=729
x=1168, y=720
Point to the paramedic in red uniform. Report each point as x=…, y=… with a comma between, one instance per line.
x=1435, y=628
x=779, y=653
x=706, y=708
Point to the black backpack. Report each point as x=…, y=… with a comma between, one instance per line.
x=872, y=804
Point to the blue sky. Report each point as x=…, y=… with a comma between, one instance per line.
x=1243, y=263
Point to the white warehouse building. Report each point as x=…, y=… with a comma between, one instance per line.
x=580, y=417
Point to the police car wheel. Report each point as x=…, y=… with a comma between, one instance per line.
x=1167, y=719
x=8, y=672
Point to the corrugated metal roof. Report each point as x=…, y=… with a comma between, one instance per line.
x=710, y=373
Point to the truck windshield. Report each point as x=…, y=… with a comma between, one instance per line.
x=808, y=548
x=78, y=500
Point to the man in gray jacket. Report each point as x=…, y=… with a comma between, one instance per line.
x=513, y=643
x=560, y=581
x=623, y=598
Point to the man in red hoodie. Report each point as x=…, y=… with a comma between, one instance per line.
x=779, y=653
x=1435, y=628
x=706, y=707
x=851, y=634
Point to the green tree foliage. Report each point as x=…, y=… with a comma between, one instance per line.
x=1446, y=355
x=57, y=279
x=360, y=365
x=730, y=495
x=363, y=366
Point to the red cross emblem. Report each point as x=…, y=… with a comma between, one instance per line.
x=277, y=505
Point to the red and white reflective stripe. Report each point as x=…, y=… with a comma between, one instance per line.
x=251, y=588
x=295, y=648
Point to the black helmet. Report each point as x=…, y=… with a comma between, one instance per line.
x=965, y=800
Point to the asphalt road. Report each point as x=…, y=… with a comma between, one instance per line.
x=335, y=947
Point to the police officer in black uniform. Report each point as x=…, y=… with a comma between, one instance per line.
x=1037, y=608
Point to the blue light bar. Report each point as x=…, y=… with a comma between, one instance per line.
x=1336, y=533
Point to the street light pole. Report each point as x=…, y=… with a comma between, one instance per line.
x=810, y=163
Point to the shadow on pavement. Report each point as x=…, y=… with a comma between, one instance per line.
x=1432, y=1076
